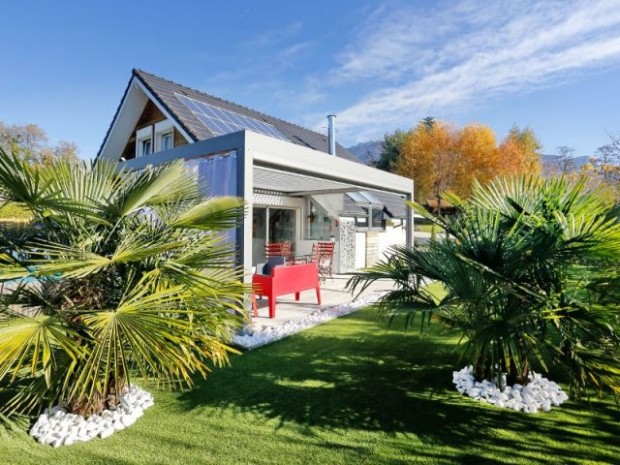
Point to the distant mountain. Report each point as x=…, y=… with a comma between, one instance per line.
x=367, y=151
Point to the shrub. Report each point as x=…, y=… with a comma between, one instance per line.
x=530, y=272
x=131, y=274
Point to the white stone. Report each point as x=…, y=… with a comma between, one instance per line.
x=128, y=420
x=56, y=427
x=266, y=334
x=539, y=395
x=106, y=433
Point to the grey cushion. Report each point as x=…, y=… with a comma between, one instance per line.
x=271, y=263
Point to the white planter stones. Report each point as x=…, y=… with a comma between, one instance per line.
x=268, y=334
x=56, y=427
x=540, y=394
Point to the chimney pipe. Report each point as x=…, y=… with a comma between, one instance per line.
x=331, y=134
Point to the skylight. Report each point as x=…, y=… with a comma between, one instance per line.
x=220, y=121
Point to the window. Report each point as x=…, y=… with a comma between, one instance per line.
x=361, y=221
x=164, y=135
x=144, y=141
x=373, y=219
x=377, y=218
x=166, y=141
x=318, y=223
x=147, y=145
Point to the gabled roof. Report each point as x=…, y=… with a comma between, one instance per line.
x=169, y=95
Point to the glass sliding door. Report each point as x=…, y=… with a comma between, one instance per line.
x=281, y=225
x=271, y=224
x=259, y=234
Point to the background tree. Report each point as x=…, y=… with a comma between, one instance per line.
x=440, y=157
x=30, y=143
x=565, y=160
x=604, y=166
x=477, y=147
x=430, y=157
x=519, y=152
x=392, y=145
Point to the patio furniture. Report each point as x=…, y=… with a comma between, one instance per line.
x=279, y=249
x=323, y=255
x=285, y=280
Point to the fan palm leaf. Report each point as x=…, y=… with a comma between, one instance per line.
x=135, y=276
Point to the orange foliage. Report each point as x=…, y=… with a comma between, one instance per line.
x=518, y=153
x=439, y=157
x=428, y=156
x=479, y=160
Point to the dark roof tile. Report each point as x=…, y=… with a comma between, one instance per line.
x=165, y=91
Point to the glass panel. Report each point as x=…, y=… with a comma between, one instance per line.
x=281, y=225
x=318, y=224
x=259, y=233
x=377, y=217
x=362, y=221
x=166, y=141
x=146, y=147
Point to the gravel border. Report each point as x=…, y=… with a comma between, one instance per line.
x=268, y=334
x=540, y=394
x=58, y=428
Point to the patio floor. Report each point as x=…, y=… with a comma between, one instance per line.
x=332, y=293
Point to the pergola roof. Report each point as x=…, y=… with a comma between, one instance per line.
x=297, y=184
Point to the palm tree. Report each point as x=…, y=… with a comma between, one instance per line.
x=121, y=273
x=527, y=277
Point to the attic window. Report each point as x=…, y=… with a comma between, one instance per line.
x=144, y=141
x=164, y=136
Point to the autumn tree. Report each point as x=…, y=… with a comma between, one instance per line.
x=430, y=157
x=30, y=143
x=477, y=147
x=519, y=152
x=440, y=157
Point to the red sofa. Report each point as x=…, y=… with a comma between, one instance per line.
x=291, y=279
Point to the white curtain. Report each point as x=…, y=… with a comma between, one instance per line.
x=217, y=175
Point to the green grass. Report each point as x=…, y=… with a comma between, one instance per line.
x=428, y=228
x=348, y=392
x=14, y=211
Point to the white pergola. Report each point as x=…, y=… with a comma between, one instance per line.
x=276, y=165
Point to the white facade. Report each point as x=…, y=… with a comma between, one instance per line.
x=324, y=173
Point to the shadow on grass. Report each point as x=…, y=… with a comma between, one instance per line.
x=352, y=375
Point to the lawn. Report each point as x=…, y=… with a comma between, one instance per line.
x=11, y=211
x=347, y=392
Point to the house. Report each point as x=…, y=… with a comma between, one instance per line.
x=299, y=185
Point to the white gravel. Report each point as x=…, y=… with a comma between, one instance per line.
x=540, y=394
x=58, y=428
x=268, y=334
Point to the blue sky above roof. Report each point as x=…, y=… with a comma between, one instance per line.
x=379, y=65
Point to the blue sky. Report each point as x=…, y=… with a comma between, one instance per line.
x=379, y=65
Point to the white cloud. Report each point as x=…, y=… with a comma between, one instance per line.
x=466, y=53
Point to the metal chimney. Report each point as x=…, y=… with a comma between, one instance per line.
x=331, y=134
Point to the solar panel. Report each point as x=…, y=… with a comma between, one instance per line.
x=220, y=121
